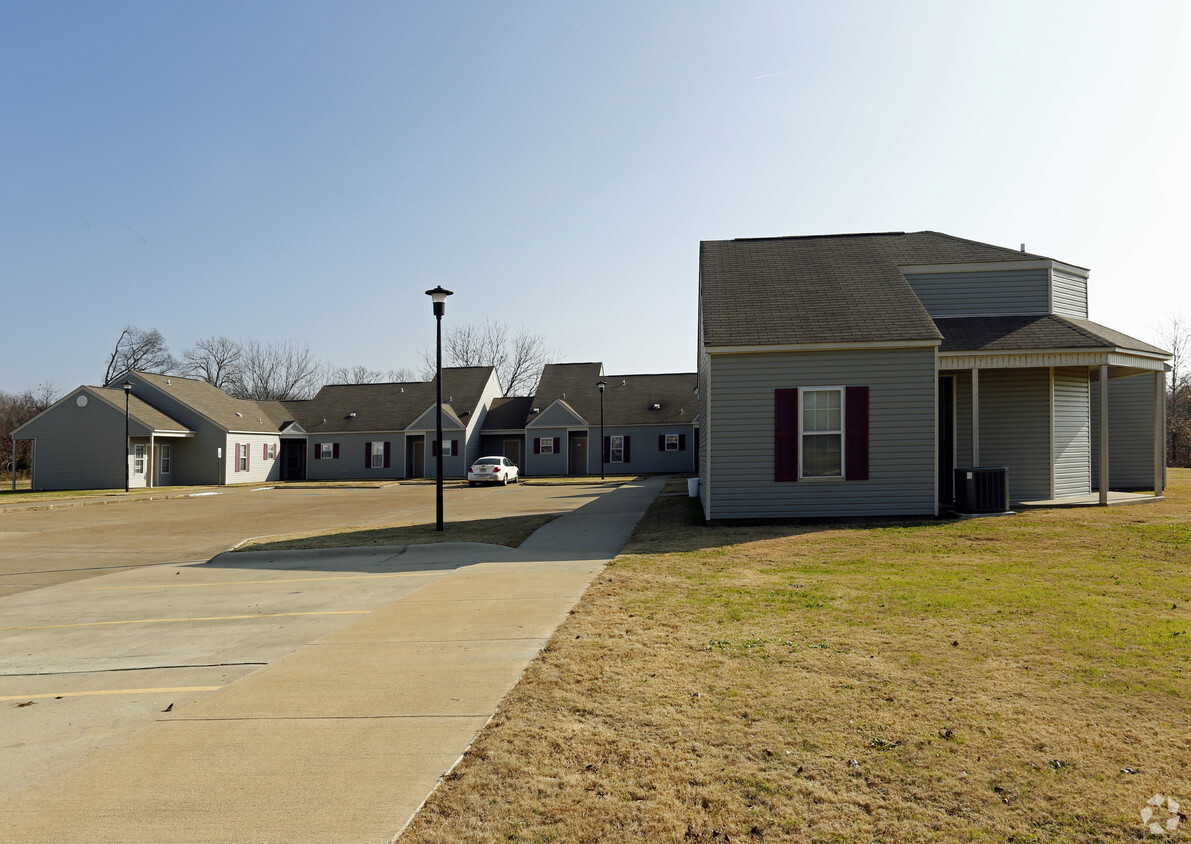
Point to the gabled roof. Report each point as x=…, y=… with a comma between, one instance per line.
x=1033, y=333
x=829, y=289
x=145, y=416
x=628, y=399
x=213, y=403
x=344, y=408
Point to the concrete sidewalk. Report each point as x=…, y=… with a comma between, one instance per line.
x=343, y=739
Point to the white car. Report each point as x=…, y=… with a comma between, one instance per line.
x=492, y=470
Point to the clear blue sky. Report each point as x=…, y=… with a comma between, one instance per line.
x=296, y=170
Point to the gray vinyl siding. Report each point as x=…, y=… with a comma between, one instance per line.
x=705, y=425
x=983, y=293
x=1073, y=432
x=644, y=457
x=558, y=417
x=739, y=472
x=351, y=465
x=1015, y=428
x=1070, y=295
x=1130, y=432
x=78, y=447
x=475, y=422
x=547, y=464
x=494, y=444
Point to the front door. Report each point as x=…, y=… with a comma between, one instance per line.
x=417, y=458
x=578, y=455
x=947, y=439
x=293, y=460
x=513, y=451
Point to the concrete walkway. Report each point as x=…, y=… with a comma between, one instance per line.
x=343, y=739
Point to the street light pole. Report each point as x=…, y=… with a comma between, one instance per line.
x=439, y=296
x=602, y=384
x=127, y=468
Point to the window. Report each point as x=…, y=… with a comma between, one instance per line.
x=327, y=451
x=671, y=442
x=823, y=433
x=164, y=456
x=270, y=451
x=616, y=450
x=378, y=455
x=138, y=460
x=547, y=445
x=242, y=457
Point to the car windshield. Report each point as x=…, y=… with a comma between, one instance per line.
x=488, y=461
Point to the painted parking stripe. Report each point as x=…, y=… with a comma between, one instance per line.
x=170, y=620
x=113, y=692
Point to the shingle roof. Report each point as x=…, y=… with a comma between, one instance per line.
x=825, y=289
x=507, y=414
x=146, y=414
x=213, y=403
x=1033, y=333
x=388, y=407
x=628, y=399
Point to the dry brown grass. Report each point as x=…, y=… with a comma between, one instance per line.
x=988, y=680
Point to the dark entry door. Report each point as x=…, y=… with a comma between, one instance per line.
x=293, y=460
x=513, y=451
x=947, y=440
x=578, y=455
x=417, y=459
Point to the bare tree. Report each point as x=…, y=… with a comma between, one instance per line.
x=141, y=350
x=364, y=375
x=215, y=360
x=518, y=358
x=1176, y=336
x=276, y=372
x=15, y=410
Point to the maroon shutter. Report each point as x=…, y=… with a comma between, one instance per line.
x=607, y=449
x=367, y=455
x=264, y=451
x=334, y=451
x=434, y=448
x=537, y=445
x=856, y=433
x=387, y=444
x=557, y=445
x=626, y=449
x=454, y=448
x=682, y=442
x=661, y=442
x=785, y=435
x=247, y=457
x=236, y=458
x=318, y=451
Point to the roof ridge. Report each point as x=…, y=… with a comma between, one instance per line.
x=818, y=236
x=982, y=243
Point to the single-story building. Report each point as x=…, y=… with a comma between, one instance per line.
x=850, y=375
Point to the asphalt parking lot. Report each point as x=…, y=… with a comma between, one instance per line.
x=110, y=615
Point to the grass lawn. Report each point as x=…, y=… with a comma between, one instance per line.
x=1011, y=679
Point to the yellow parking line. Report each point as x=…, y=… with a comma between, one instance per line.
x=252, y=582
x=201, y=618
x=113, y=692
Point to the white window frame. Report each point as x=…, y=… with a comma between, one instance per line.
x=547, y=445
x=271, y=451
x=616, y=448
x=138, y=459
x=326, y=451
x=803, y=393
x=671, y=442
x=165, y=458
x=242, y=457
x=378, y=455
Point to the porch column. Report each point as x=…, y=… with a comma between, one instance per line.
x=152, y=467
x=1104, y=434
x=1159, y=432
x=975, y=416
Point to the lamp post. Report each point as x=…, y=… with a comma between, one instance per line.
x=602, y=384
x=127, y=468
x=439, y=296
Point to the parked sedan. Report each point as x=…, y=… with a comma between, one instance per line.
x=492, y=470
